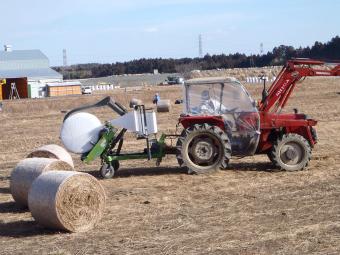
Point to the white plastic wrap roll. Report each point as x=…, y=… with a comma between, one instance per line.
x=80, y=132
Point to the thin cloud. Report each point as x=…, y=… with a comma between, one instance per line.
x=151, y=29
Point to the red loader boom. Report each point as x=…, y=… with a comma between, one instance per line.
x=273, y=123
x=283, y=86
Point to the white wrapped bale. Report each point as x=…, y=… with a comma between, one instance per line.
x=52, y=151
x=163, y=105
x=26, y=171
x=134, y=102
x=80, y=132
x=70, y=201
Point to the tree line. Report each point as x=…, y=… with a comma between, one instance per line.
x=278, y=56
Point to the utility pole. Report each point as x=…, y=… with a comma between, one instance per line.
x=200, y=46
x=251, y=61
x=64, y=58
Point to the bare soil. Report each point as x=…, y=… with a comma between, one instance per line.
x=249, y=209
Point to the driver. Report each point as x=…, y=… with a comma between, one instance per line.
x=209, y=105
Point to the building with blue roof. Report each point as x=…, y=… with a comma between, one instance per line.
x=28, y=70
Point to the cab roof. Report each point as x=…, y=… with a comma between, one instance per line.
x=211, y=80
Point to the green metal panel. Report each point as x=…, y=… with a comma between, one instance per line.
x=156, y=155
x=29, y=91
x=100, y=147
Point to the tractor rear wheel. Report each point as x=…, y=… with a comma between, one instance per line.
x=203, y=148
x=291, y=152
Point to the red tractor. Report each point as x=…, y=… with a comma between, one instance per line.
x=221, y=120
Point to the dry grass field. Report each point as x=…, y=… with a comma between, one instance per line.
x=249, y=209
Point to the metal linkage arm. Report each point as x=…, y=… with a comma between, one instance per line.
x=291, y=73
x=107, y=101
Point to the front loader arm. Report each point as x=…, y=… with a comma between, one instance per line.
x=291, y=73
x=107, y=101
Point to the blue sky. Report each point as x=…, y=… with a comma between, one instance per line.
x=106, y=31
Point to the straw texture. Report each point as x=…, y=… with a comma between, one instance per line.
x=134, y=102
x=26, y=171
x=164, y=105
x=70, y=201
x=52, y=151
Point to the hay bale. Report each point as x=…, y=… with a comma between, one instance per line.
x=70, y=201
x=52, y=151
x=163, y=105
x=26, y=171
x=134, y=102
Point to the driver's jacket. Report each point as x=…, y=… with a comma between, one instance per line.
x=210, y=106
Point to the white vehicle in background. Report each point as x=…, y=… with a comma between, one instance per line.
x=174, y=80
x=86, y=90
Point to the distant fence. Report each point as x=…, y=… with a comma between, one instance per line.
x=104, y=87
x=259, y=79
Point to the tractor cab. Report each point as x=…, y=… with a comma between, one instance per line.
x=223, y=98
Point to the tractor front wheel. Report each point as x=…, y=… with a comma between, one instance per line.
x=291, y=152
x=203, y=148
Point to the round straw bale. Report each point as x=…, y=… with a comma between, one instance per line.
x=163, y=105
x=70, y=201
x=27, y=170
x=52, y=151
x=134, y=102
x=179, y=101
